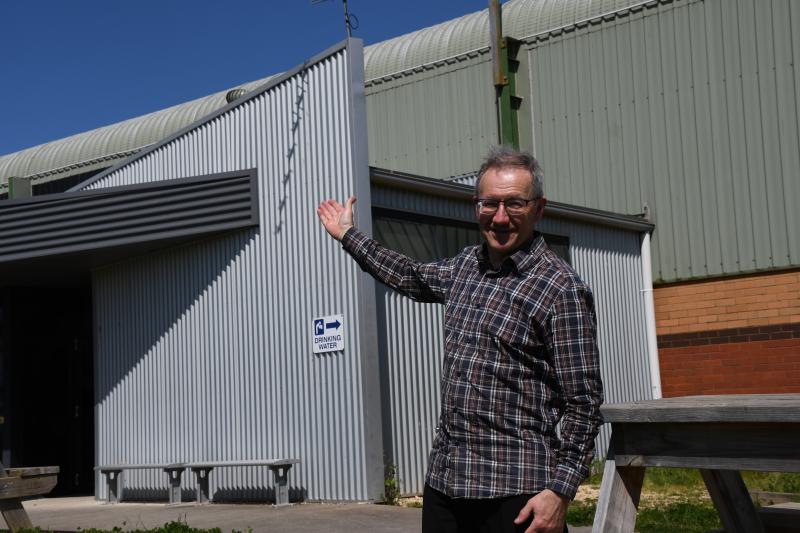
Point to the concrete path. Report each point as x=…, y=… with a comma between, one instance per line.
x=71, y=514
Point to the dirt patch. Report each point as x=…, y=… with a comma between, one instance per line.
x=411, y=501
x=650, y=499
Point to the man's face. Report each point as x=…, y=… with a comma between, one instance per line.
x=506, y=232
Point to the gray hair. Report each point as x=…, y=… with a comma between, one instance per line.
x=508, y=156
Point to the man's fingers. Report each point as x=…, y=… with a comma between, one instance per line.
x=525, y=512
x=336, y=218
x=330, y=209
x=348, y=208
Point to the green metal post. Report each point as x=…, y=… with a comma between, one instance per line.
x=507, y=101
x=19, y=188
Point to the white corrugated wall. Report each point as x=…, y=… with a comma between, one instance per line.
x=204, y=352
x=608, y=259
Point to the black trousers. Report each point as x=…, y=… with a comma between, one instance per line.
x=443, y=514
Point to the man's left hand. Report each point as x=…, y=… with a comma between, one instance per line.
x=549, y=511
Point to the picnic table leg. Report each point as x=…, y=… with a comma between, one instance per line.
x=174, y=484
x=15, y=515
x=619, y=497
x=201, y=475
x=732, y=500
x=281, y=483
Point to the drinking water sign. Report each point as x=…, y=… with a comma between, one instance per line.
x=328, y=333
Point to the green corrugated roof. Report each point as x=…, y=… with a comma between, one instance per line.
x=100, y=147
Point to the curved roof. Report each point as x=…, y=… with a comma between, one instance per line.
x=99, y=148
x=522, y=19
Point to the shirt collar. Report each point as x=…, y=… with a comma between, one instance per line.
x=520, y=261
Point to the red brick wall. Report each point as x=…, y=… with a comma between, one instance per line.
x=731, y=336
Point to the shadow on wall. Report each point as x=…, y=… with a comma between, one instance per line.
x=180, y=367
x=142, y=302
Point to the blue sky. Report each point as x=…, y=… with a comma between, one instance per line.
x=68, y=66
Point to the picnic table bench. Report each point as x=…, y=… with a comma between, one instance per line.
x=719, y=435
x=114, y=475
x=17, y=484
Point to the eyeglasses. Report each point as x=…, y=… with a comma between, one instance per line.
x=514, y=206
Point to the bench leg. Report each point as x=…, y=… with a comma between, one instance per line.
x=281, y=484
x=114, y=483
x=15, y=515
x=201, y=475
x=174, y=475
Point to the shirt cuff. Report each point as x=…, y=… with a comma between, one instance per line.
x=565, y=481
x=352, y=238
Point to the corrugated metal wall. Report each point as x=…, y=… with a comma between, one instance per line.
x=411, y=341
x=396, y=199
x=687, y=106
x=204, y=352
x=690, y=107
x=434, y=123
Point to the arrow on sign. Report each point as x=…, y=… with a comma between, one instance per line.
x=335, y=324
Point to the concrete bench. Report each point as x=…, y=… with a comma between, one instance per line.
x=115, y=479
x=114, y=475
x=280, y=469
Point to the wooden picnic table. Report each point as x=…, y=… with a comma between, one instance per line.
x=719, y=435
x=17, y=484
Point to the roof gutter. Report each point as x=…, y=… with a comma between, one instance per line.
x=435, y=187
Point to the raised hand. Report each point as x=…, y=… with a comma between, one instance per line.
x=336, y=218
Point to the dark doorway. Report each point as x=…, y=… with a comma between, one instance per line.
x=46, y=372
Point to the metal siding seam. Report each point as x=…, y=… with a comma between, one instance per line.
x=792, y=184
x=712, y=253
x=786, y=104
x=668, y=218
x=771, y=139
x=756, y=173
x=570, y=130
x=735, y=138
x=626, y=53
x=686, y=135
x=586, y=191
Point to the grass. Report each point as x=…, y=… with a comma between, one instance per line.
x=675, y=499
x=773, y=481
x=678, y=518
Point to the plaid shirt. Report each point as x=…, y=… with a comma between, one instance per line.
x=520, y=354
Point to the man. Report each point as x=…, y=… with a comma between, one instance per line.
x=520, y=355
